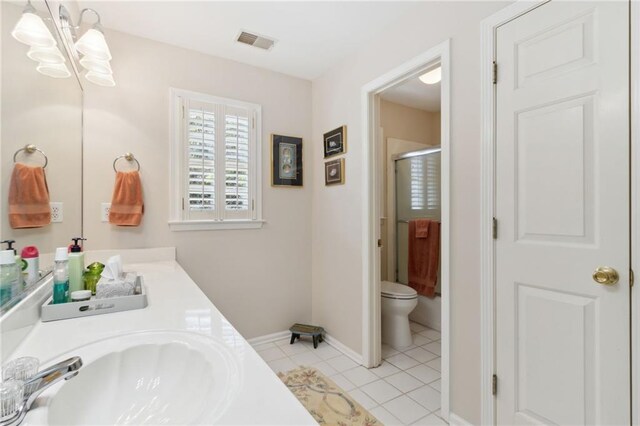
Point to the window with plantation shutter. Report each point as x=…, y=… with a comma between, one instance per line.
x=425, y=185
x=215, y=163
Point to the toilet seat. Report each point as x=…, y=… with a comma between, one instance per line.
x=397, y=291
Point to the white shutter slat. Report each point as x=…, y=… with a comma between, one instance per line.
x=236, y=160
x=201, y=129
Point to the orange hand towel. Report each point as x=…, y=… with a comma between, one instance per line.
x=422, y=228
x=424, y=256
x=126, y=204
x=28, y=198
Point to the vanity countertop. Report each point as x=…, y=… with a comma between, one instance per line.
x=176, y=303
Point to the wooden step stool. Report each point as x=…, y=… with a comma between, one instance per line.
x=315, y=332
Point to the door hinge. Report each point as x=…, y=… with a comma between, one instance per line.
x=632, y=277
x=495, y=72
x=379, y=242
x=182, y=203
x=494, y=385
x=495, y=229
x=183, y=112
x=253, y=205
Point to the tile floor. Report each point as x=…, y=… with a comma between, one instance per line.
x=403, y=390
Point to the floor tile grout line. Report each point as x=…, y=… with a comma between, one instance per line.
x=281, y=344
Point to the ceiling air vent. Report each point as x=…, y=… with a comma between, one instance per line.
x=255, y=40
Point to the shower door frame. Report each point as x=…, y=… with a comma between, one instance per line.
x=430, y=149
x=371, y=214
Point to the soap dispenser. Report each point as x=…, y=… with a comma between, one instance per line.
x=21, y=265
x=8, y=276
x=76, y=266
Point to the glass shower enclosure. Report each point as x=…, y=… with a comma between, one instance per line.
x=417, y=190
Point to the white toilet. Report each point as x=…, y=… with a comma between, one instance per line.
x=398, y=300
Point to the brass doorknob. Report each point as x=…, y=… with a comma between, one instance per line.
x=605, y=275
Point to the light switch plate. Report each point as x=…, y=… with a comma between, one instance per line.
x=104, y=211
x=57, y=212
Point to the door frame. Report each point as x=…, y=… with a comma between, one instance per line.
x=372, y=156
x=634, y=46
x=487, y=255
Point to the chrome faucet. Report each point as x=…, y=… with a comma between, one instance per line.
x=43, y=380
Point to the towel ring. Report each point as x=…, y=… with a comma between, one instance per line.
x=30, y=149
x=129, y=157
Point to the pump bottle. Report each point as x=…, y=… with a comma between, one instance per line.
x=76, y=266
x=20, y=265
x=8, y=276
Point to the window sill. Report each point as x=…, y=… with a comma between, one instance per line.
x=212, y=225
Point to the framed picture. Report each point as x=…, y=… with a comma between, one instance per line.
x=286, y=161
x=334, y=172
x=335, y=142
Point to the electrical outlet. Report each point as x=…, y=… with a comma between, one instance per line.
x=104, y=211
x=56, y=212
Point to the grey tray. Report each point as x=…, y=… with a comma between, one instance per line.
x=51, y=312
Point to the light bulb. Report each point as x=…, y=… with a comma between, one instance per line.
x=97, y=65
x=432, y=77
x=32, y=30
x=100, y=79
x=54, y=70
x=93, y=44
x=48, y=55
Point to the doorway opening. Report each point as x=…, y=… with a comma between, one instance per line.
x=406, y=217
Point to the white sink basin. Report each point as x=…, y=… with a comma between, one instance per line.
x=166, y=377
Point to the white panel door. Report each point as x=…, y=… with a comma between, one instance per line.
x=562, y=205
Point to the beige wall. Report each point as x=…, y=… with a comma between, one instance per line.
x=337, y=211
x=409, y=124
x=46, y=112
x=259, y=279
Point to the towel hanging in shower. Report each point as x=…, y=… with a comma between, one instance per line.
x=424, y=255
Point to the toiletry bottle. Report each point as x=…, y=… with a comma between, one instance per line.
x=8, y=275
x=76, y=266
x=61, y=276
x=21, y=265
x=31, y=256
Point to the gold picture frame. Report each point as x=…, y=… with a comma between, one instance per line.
x=335, y=142
x=334, y=172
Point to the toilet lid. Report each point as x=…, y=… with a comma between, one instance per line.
x=397, y=291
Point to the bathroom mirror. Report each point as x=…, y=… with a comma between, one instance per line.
x=41, y=107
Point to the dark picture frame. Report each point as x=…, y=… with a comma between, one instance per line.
x=335, y=142
x=286, y=161
x=334, y=172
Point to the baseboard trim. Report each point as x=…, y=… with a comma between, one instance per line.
x=332, y=341
x=269, y=338
x=343, y=348
x=455, y=420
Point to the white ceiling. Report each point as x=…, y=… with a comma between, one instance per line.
x=311, y=36
x=415, y=94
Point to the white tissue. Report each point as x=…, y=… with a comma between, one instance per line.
x=113, y=268
x=114, y=282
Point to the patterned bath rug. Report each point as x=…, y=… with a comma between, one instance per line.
x=324, y=400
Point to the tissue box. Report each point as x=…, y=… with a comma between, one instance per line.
x=124, y=286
